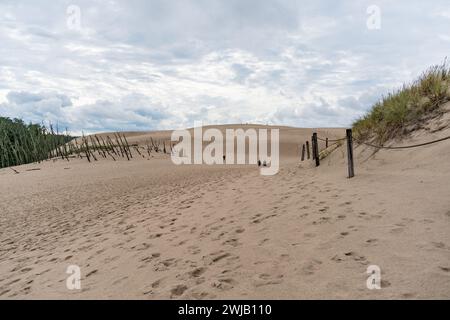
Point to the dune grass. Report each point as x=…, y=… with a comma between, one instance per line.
x=405, y=109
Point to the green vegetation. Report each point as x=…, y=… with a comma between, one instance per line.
x=21, y=143
x=403, y=110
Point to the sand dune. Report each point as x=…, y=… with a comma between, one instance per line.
x=148, y=229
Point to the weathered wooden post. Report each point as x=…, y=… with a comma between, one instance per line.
x=316, y=149
x=351, y=169
x=307, y=150
x=303, y=152
x=326, y=143
x=313, y=148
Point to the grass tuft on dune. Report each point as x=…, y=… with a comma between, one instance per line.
x=403, y=110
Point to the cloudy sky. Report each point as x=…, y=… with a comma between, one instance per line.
x=163, y=64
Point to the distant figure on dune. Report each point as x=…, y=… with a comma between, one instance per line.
x=264, y=163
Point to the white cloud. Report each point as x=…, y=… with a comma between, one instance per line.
x=162, y=64
x=445, y=13
x=444, y=37
x=132, y=112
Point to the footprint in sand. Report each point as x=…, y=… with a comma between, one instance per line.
x=151, y=257
x=165, y=264
x=266, y=279
x=178, y=291
x=309, y=268
x=157, y=283
x=347, y=203
x=216, y=257
x=219, y=236
x=264, y=218
x=156, y=235
x=397, y=230
x=385, y=284
x=371, y=241
x=440, y=245
x=350, y=256
x=197, y=272
x=194, y=250
x=2, y=293
x=324, y=210
x=224, y=284
x=232, y=242
x=321, y=220
x=445, y=269
x=141, y=247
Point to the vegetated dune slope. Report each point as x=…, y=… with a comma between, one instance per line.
x=148, y=229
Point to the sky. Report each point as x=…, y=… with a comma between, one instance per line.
x=104, y=65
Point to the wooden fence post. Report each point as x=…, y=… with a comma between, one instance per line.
x=303, y=152
x=351, y=169
x=316, y=149
x=307, y=150
x=313, y=148
x=326, y=143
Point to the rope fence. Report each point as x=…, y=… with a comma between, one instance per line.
x=317, y=156
x=331, y=140
x=402, y=147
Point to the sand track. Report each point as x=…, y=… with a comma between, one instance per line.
x=150, y=230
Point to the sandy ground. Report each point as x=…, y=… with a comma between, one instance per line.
x=148, y=229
